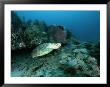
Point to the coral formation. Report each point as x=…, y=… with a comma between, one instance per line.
x=27, y=34
x=81, y=63
x=31, y=39
x=57, y=33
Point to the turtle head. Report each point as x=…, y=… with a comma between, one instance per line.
x=54, y=45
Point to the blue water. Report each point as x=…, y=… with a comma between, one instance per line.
x=85, y=25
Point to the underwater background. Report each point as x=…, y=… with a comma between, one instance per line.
x=55, y=43
x=85, y=25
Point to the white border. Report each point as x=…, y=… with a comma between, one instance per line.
x=56, y=80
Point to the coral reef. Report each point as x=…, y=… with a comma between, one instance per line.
x=80, y=63
x=27, y=34
x=72, y=58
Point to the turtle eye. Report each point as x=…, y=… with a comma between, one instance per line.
x=56, y=44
